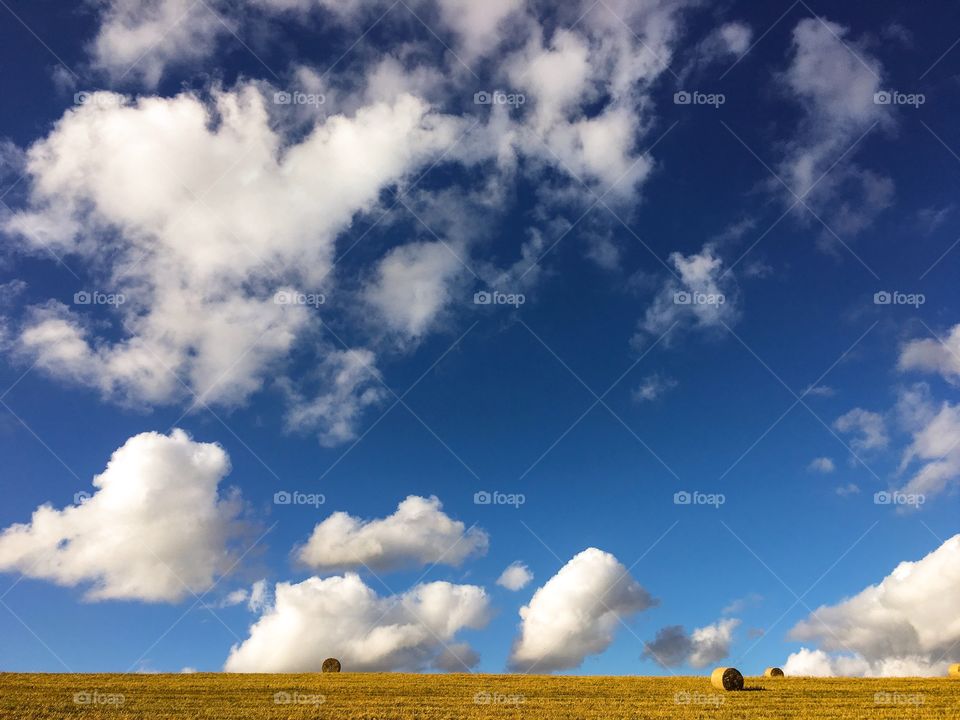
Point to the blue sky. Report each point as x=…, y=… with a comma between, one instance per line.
x=749, y=298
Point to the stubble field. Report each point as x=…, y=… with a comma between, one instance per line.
x=370, y=696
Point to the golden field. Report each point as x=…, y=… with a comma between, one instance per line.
x=372, y=696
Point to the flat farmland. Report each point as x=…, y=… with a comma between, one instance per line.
x=369, y=696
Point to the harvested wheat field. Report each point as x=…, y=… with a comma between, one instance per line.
x=384, y=696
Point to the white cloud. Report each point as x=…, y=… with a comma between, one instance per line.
x=725, y=43
x=138, y=39
x=343, y=617
x=478, y=25
x=413, y=285
x=588, y=91
x=735, y=37
x=698, y=295
x=155, y=529
x=821, y=465
x=869, y=427
x=816, y=663
x=905, y=625
x=834, y=79
x=236, y=597
x=603, y=251
x=199, y=228
x=936, y=445
x=652, y=387
x=515, y=577
x=704, y=646
x=418, y=533
x=932, y=459
x=255, y=598
x=259, y=597
x=934, y=427
x=576, y=613
x=931, y=355
x=349, y=384
x=225, y=202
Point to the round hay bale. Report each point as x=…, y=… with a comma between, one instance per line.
x=954, y=670
x=728, y=679
x=773, y=672
x=330, y=665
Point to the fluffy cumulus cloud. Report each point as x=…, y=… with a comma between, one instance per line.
x=213, y=230
x=576, y=613
x=905, y=625
x=342, y=617
x=707, y=645
x=587, y=88
x=515, y=577
x=156, y=528
x=418, y=533
x=698, y=294
x=228, y=202
x=834, y=79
